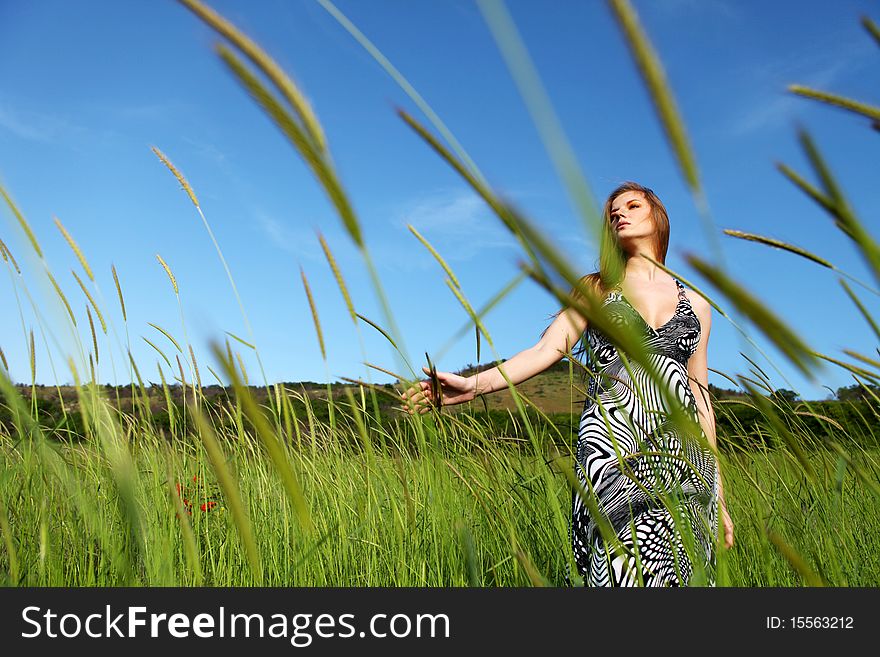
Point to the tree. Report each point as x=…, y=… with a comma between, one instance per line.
x=857, y=392
x=784, y=395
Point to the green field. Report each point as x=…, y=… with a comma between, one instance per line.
x=390, y=501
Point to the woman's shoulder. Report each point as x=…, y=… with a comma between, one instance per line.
x=698, y=302
x=591, y=282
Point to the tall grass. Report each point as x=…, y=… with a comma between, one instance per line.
x=247, y=491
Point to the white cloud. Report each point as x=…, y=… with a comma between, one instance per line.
x=464, y=230
x=774, y=112
x=287, y=238
x=33, y=126
x=300, y=238
x=819, y=68
x=457, y=223
x=208, y=150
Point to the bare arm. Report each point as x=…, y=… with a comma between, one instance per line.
x=558, y=339
x=698, y=374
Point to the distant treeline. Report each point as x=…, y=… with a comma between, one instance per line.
x=741, y=425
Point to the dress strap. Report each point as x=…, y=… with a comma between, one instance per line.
x=681, y=289
x=614, y=289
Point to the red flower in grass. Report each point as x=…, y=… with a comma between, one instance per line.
x=186, y=503
x=207, y=506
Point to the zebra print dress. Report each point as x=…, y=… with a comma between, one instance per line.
x=656, y=485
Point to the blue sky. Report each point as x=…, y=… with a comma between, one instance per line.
x=88, y=87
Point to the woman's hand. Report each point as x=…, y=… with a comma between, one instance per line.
x=453, y=389
x=727, y=526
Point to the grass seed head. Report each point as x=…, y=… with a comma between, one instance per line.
x=119, y=292
x=7, y=256
x=168, y=271
x=76, y=249
x=180, y=178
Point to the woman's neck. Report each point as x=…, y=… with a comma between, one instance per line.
x=642, y=268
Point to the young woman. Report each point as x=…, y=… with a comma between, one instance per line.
x=628, y=450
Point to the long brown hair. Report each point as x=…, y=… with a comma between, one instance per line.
x=612, y=259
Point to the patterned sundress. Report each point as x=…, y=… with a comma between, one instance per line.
x=666, y=473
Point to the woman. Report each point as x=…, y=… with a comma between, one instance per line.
x=629, y=451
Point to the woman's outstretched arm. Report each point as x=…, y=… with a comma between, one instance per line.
x=558, y=339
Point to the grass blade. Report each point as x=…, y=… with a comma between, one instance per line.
x=835, y=203
x=167, y=335
x=654, y=76
x=9, y=543
x=231, y=491
x=76, y=249
x=25, y=226
x=404, y=84
x=779, y=333
x=778, y=244
x=314, y=313
x=244, y=342
x=864, y=311
x=313, y=158
x=863, y=109
x=61, y=296
x=436, y=255
x=159, y=351
x=7, y=254
x=872, y=28
x=119, y=292
x=270, y=440
x=340, y=282
x=544, y=117
x=94, y=337
x=265, y=63
x=378, y=328
x=91, y=301
x=195, y=367
x=811, y=578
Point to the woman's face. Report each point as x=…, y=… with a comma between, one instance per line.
x=630, y=216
